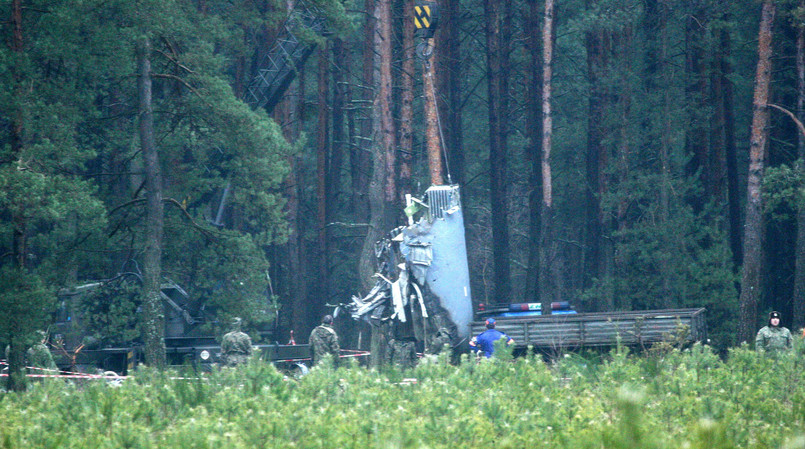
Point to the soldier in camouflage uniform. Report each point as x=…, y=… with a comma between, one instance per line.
x=236, y=346
x=39, y=355
x=441, y=339
x=323, y=340
x=773, y=338
x=402, y=353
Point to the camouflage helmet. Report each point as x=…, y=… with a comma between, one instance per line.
x=237, y=322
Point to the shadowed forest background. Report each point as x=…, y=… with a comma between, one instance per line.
x=130, y=153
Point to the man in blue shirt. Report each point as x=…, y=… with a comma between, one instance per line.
x=485, y=341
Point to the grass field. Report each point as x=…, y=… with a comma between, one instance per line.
x=665, y=398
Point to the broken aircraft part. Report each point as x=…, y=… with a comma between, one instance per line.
x=423, y=287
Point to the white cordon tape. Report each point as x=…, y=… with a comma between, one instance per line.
x=352, y=353
x=74, y=375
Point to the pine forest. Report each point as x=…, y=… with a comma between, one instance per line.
x=203, y=160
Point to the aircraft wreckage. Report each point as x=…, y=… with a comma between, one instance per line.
x=422, y=292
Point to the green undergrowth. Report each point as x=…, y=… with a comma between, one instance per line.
x=666, y=398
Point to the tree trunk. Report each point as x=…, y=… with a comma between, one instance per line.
x=598, y=44
x=361, y=154
x=547, y=281
x=696, y=95
x=799, y=271
x=153, y=324
x=497, y=151
x=753, y=224
x=16, y=349
x=16, y=364
x=658, y=79
x=339, y=138
x=375, y=191
x=433, y=142
x=534, y=106
x=384, y=103
x=289, y=113
x=665, y=162
x=730, y=151
x=406, y=133
x=717, y=155
x=322, y=165
x=723, y=158
x=383, y=143
x=449, y=88
x=19, y=248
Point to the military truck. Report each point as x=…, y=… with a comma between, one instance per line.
x=588, y=330
x=188, y=339
x=201, y=353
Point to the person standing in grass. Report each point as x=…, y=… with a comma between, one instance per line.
x=324, y=340
x=236, y=346
x=39, y=355
x=773, y=338
x=485, y=341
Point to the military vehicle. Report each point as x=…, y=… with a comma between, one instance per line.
x=642, y=328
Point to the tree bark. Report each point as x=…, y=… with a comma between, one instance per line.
x=433, y=142
x=153, y=324
x=384, y=102
x=547, y=251
x=753, y=224
x=497, y=149
x=799, y=271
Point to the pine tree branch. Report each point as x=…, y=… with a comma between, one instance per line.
x=790, y=114
x=174, y=56
x=185, y=83
x=172, y=201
